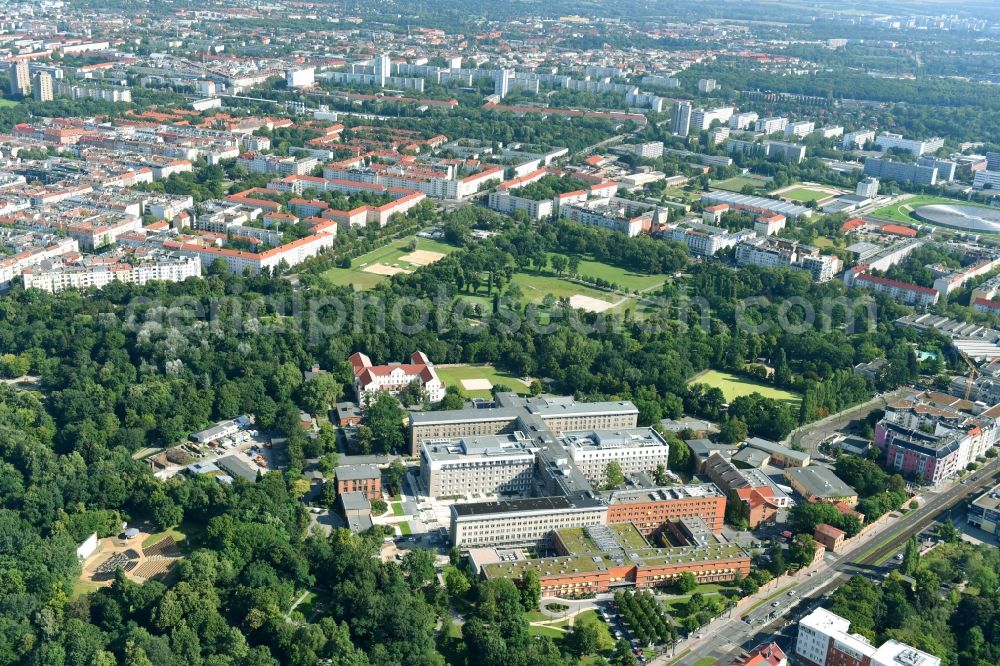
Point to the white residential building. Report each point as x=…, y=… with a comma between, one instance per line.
x=771, y=125
x=799, y=129
x=508, y=203
x=702, y=119
x=300, y=78
x=867, y=188
x=887, y=140
x=854, y=140
x=825, y=640
x=706, y=240
x=743, y=120
x=98, y=272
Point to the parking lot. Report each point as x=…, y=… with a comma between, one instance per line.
x=255, y=448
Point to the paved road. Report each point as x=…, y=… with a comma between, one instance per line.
x=727, y=638
x=811, y=435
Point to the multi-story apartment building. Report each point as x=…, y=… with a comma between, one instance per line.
x=237, y=261
x=769, y=126
x=81, y=273
x=706, y=240
x=103, y=93
x=799, y=128
x=766, y=253
x=647, y=149
x=986, y=180
x=888, y=140
x=20, y=78
x=26, y=249
x=784, y=151
x=635, y=450
x=616, y=214
x=825, y=640
x=887, y=169
x=904, y=292
x=283, y=166
x=649, y=509
x=768, y=224
x=858, y=139
x=823, y=267
x=369, y=379
x=439, y=180
x=935, y=435
x=478, y=465
x=42, y=87
x=702, y=119
x=742, y=120
x=867, y=188
x=508, y=203
x=945, y=168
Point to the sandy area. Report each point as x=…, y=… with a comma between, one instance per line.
x=589, y=303
x=481, y=384
x=383, y=269
x=421, y=257
x=146, y=563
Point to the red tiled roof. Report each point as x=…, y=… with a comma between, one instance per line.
x=907, y=286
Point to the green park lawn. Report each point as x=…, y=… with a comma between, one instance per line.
x=622, y=277
x=536, y=286
x=404, y=529
x=315, y=602
x=388, y=254
x=186, y=536
x=453, y=375
x=551, y=632
x=605, y=641
x=734, y=386
x=7, y=102
x=900, y=212
x=737, y=183
x=805, y=195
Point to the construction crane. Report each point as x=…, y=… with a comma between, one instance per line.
x=970, y=378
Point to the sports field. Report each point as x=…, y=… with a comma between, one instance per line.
x=737, y=183
x=369, y=269
x=475, y=381
x=733, y=386
x=900, y=212
x=806, y=194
